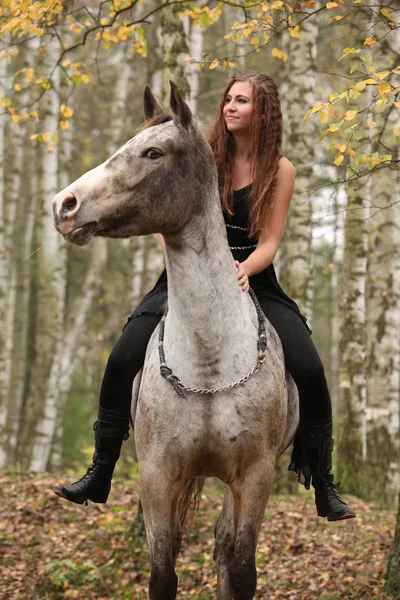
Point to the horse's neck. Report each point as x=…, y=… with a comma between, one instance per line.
x=204, y=296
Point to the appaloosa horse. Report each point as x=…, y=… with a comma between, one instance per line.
x=165, y=180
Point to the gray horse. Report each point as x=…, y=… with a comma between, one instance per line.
x=165, y=180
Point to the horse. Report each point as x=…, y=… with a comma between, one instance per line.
x=214, y=397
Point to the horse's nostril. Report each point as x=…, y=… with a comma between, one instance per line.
x=69, y=204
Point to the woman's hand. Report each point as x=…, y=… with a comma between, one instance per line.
x=242, y=276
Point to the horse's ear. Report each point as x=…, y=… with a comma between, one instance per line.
x=179, y=106
x=150, y=104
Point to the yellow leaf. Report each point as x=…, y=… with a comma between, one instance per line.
x=337, y=18
x=341, y=147
x=351, y=151
x=17, y=87
x=384, y=88
x=331, y=5
x=338, y=159
x=293, y=31
x=188, y=59
x=66, y=111
x=370, y=81
x=370, y=68
x=397, y=104
x=372, y=124
x=369, y=41
x=334, y=127
x=15, y=118
x=29, y=74
x=350, y=114
x=348, y=50
x=64, y=124
x=85, y=78
x=382, y=75
x=310, y=4
x=104, y=21
x=279, y=54
x=360, y=86
x=214, y=63
x=386, y=13
x=323, y=116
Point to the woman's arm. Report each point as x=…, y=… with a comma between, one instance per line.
x=161, y=241
x=269, y=239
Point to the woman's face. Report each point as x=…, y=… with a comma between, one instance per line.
x=239, y=107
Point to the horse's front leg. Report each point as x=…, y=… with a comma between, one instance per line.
x=159, y=496
x=225, y=533
x=250, y=495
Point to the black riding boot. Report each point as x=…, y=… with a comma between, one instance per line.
x=110, y=430
x=313, y=451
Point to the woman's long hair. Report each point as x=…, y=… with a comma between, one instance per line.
x=265, y=149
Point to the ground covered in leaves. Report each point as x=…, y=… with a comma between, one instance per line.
x=52, y=549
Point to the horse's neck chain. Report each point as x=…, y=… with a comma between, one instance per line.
x=177, y=384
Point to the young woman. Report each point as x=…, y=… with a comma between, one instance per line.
x=256, y=185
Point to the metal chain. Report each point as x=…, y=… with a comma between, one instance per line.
x=177, y=384
x=242, y=247
x=236, y=227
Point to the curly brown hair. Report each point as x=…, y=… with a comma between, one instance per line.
x=265, y=149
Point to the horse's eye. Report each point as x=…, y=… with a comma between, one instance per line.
x=153, y=153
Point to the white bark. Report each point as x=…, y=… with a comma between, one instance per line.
x=51, y=298
x=352, y=447
x=383, y=304
x=297, y=276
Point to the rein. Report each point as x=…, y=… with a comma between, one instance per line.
x=177, y=384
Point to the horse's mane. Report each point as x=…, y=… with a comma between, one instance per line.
x=159, y=118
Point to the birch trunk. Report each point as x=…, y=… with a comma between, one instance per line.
x=297, y=271
x=294, y=260
x=24, y=198
x=41, y=408
x=196, y=50
x=352, y=399
x=174, y=49
x=383, y=339
x=334, y=326
x=4, y=262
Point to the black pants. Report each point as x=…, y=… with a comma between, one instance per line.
x=301, y=356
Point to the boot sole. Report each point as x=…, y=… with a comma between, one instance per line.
x=61, y=495
x=342, y=517
x=79, y=500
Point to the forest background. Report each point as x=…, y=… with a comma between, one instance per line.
x=72, y=76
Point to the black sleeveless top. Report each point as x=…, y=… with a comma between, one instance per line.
x=265, y=284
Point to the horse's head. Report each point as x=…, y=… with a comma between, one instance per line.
x=153, y=183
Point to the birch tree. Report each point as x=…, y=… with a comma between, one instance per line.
x=297, y=273
x=352, y=400
x=42, y=400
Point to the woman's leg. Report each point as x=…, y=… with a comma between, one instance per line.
x=124, y=363
x=111, y=428
x=312, y=455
